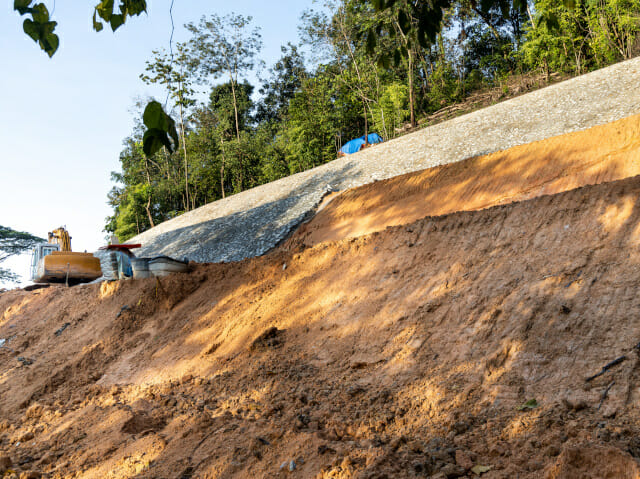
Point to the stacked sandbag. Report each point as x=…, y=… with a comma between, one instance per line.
x=108, y=264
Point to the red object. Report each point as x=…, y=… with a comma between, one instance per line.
x=121, y=246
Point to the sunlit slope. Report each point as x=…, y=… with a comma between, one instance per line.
x=404, y=353
x=597, y=155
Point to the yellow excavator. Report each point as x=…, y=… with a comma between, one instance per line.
x=54, y=262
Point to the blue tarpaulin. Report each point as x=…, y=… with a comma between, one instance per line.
x=354, y=146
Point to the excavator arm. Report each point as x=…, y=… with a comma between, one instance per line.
x=60, y=236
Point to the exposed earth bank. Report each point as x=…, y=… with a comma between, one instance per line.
x=461, y=345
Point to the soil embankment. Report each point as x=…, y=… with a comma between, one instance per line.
x=598, y=155
x=435, y=348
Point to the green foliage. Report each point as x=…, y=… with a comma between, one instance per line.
x=529, y=405
x=116, y=18
x=308, y=108
x=13, y=243
x=161, y=129
x=39, y=27
x=393, y=109
x=614, y=26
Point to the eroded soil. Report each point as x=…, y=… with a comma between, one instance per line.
x=449, y=346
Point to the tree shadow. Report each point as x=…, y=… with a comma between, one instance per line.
x=247, y=231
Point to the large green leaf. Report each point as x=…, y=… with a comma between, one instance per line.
x=39, y=13
x=116, y=21
x=22, y=6
x=105, y=9
x=97, y=25
x=153, y=140
x=154, y=116
x=32, y=29
x=161, y=129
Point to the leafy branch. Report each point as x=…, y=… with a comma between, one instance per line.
x=41, y=28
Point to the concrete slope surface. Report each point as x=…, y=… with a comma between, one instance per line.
x=251, y=223
x=500, y=342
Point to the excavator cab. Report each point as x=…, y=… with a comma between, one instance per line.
x=39, y=252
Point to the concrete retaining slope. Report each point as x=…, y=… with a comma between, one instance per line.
x=252, y=222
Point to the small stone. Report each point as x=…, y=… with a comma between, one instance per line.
x=26, y=437
x=31, y=475
x=284, y=464
x=292, y=466
x=461, y=427
x=552, y=451
x=25, y=361
x=463, y=460
x=452, y=471
x=5, y=463
x=575, y=402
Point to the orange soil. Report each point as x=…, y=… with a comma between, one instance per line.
x=404, y=353
x=598, y=155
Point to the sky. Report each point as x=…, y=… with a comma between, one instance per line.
x=63, y=120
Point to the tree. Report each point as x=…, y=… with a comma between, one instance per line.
x=286, y=77
x=175, y=72
x=230, y=109
x=13, y=243
x=225, y=47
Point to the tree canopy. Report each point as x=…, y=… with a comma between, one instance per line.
x=13, y=243
x=383, y=66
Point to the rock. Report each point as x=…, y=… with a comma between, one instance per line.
x=26, y=437
x=355, y=390
x=48, y=458
x=575, y=402
x=31, y=475
x=5, y=463
x=461, y=427
x=452, y=471
x=292, y=466
x=25, y=361
x=552, y=451
x=463, y=460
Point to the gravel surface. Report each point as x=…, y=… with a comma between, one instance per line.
x=252, y=222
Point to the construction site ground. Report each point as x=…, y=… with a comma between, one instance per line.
x=478, y=319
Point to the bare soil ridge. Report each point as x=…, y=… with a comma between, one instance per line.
x=435, y=348
x=253, y=222
x=598, y=155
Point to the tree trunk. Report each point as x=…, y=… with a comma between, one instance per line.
x=184, y=149
x=148, y=207
x=222, y=167
x=366, y=123
x=411, y=96
x=235, y=110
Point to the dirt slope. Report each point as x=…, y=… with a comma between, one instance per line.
x=405, y=353
x=597, y=155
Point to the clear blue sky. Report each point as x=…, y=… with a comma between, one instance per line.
x=63, y=119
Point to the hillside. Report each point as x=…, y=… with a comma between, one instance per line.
x=252, y=222
x=437, y=335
